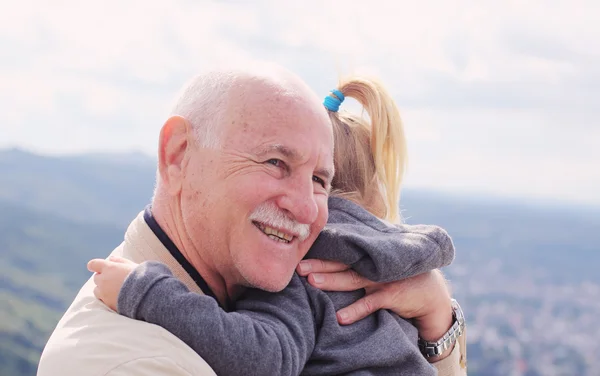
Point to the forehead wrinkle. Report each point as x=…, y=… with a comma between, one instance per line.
x=286, y=151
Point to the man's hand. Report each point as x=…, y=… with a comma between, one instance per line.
x=110, y=276
x=425, y=298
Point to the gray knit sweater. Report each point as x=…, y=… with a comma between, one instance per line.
x=296, y=330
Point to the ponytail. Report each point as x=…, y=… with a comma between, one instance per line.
x=370, y=155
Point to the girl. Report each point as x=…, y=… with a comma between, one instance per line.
x=296, y=330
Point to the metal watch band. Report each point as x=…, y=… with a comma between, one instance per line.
x=431, y=349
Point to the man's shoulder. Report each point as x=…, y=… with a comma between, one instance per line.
x=91, y=339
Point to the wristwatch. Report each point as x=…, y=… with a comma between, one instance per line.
x=430, y=349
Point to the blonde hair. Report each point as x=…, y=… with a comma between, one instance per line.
x=370, y=154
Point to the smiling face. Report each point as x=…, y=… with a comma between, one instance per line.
x=260, y=200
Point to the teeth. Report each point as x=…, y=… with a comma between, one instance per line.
x=277, y=239
x=276, y=235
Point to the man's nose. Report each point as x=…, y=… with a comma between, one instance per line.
x=299, y=200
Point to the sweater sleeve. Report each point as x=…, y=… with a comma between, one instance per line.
x=269, y=334
x=384, y=253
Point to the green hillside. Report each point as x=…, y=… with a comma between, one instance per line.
x=108, y=189
x=42, y=265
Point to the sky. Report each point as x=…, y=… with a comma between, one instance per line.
x=497, y=97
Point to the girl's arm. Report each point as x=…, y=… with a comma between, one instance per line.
x=269, y=334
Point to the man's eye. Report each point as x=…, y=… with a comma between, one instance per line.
x=319, y=180
x=275, y=162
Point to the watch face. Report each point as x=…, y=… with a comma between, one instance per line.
x=455, y=304
x=458, y=313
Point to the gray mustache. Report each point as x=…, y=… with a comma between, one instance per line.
x=272, y=216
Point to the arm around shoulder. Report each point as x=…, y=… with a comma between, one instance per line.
x=270, y=333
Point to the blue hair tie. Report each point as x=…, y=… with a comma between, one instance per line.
x=332, y=103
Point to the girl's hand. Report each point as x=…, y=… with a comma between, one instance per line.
x=109, y=277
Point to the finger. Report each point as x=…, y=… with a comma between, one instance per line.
x=348, y=280
x=319, y=266
x=360, y=309
x=96, y=265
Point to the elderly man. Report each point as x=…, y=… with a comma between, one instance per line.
x=217, y=157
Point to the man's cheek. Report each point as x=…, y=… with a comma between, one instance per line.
x=323, y=216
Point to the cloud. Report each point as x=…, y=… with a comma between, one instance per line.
x=492, y=93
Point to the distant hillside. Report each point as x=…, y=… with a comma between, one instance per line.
x=92, y=188
x=561, y=241
x=42, y=265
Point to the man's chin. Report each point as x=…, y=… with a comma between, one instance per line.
x=268, y=281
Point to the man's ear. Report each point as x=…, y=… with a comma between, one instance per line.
x=172, y=147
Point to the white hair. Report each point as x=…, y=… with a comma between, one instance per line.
x=202, y=102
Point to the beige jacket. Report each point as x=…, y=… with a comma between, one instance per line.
x=93, y=340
